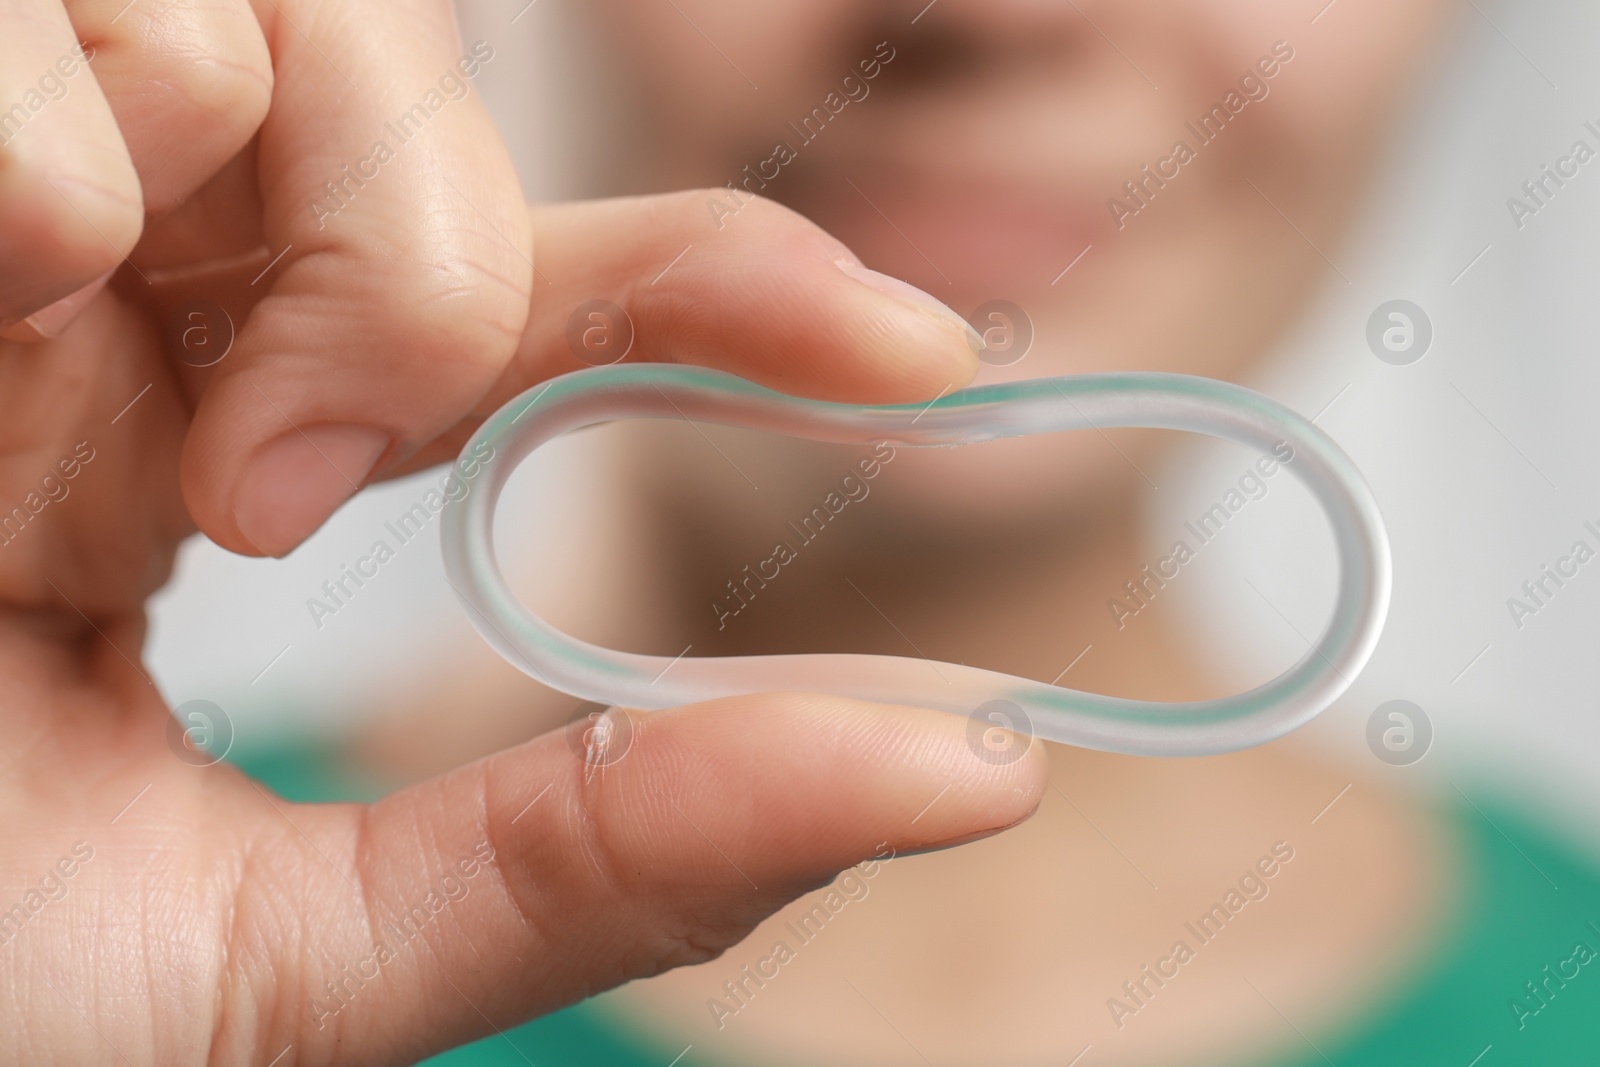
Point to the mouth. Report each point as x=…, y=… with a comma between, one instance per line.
x=986, y=196
x=979, y=238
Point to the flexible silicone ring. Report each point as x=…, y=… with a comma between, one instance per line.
x=1016, y=409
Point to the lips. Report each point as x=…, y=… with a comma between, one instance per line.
x=991, y=195
x=975, y=237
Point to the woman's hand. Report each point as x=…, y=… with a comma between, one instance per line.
x=157, y=912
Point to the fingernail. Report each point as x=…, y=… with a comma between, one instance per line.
x=50, y=322
x=295, y=482
x=964, y=839
x=911, y=296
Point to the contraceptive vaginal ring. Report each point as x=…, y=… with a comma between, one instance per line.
x=1014, y=409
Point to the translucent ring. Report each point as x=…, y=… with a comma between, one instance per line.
x=1015, y=409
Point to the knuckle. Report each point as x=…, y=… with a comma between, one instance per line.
x=220, y=105
x=682, y=933
x=461, y=291
x=464, y=321
x=211, y=61
x=557, y=862
x=595, y=827
x=233, y=95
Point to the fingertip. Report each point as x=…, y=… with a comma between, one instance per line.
x=293, y=483
x=66, y=222
x=71, y=207
x=972, y=788
x=912, y=349
x=917, y=778
x=776, y=299
x=894, y=341
x=919, y=300
x=188, y=84
x=52, y=321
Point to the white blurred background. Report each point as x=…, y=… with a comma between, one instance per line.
x=1482, y=454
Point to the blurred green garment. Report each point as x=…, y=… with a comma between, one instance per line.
x=1515, y=979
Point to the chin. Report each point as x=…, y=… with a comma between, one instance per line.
x=1014, y=486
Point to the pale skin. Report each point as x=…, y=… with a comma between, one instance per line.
x=203, y=918
x=1008, y=952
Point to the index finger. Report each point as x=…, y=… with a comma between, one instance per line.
x=71, y=207
x=773, y=298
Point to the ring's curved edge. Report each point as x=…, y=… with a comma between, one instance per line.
x=1166, y=401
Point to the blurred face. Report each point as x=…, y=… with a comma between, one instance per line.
x=1157, y=184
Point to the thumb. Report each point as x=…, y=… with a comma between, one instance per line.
x=400, y=264
x=566, y=866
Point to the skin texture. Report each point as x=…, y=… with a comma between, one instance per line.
x=979, y=167
x=156, y=911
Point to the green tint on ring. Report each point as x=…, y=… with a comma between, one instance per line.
x=1013, y=409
